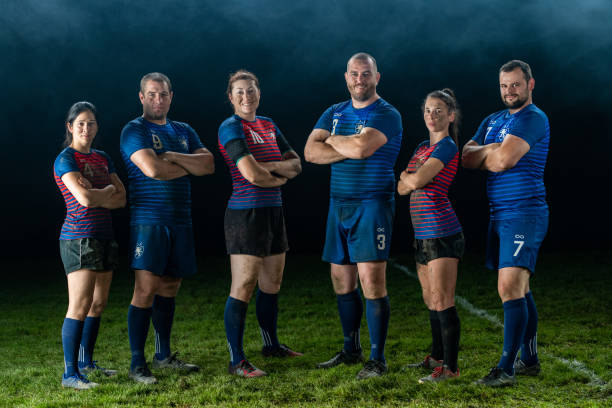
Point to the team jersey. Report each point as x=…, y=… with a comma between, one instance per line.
x=261, y=139
x=431, y=211
x=373, y=176
x=80, y=221
x=520, y=190
x=158, y=202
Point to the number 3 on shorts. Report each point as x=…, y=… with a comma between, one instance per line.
x=518, y=248
x=381, y=241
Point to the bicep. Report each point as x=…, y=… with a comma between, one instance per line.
x=430, y=168
x=318, y=135
x=144, y=159
x=372, y=138
x=248, y=167
x=71, y=181
x=513, y=148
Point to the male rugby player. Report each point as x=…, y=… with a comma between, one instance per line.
x=159, y=155
x=361, y=139
x=512, y=145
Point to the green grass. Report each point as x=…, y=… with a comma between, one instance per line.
x=573, y=293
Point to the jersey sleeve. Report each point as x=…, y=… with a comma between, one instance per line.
x=231, y=137
x=135, y=137
x=109, y=161
x=193, y=139
x=65, y=163
x=445, y=150
x=530, y=127
x=386, y=120
x=281, y=142
x=479, y=136
x=325, y=121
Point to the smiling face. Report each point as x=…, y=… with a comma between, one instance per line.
x=244, y=97
x=515, y=89
x=83, y=129
x=361, y=80
x=436, y=115
x=155, y=98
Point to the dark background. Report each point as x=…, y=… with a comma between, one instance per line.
x=54, y=53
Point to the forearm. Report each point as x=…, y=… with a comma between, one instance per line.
x=352, y=147
x=495, y=161
x=319, y=152
x=266, y=179
x=473, y=156
x=413, y=181
x=285, y=168
x=197, y=164
x=96, y=197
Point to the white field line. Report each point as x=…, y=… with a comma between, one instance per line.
x=574, y=365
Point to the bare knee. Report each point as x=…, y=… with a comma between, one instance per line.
x=78, y=308
x=439, y=300
x=242, y=289
x=97, y=307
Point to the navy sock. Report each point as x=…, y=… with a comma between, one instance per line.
x=515, y=321
x=350, y=309
x=234, y=318
x=529, y=348
x=71, y=338
x=162, y=317
x=377, y=315
x=451, y=329
x=437, y=347
x=266, y=309
x=88, y=341
x=138, y=329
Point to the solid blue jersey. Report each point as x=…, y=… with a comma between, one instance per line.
x=84, y=222
x=158, y=202
x=520, y=190
x=373, y=176
x=260, y=136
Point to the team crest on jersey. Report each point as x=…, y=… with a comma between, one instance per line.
x=502, y=135
x=139, y=250
x=88, y=171
x=157, y=143
x=358, y=127
x=255, y=137
x=272, y=135
x=184, y=144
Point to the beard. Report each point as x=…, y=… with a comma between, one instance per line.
x=365, y=94
x=520, y=101
x=151, y=114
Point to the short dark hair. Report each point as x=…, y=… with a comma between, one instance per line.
x=514, y=64
x=362, y=56
x=447, y=96
x=239, y=75
x=157, y=77
x=74, y=111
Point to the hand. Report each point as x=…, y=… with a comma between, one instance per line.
x=402, y=189
x=167, y=156
x=83, y=182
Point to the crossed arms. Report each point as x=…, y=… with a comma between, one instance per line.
x=324, y=148
x=172, y=165
x=111, y=196
x=495, y=157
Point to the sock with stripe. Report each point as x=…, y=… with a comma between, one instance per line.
x=234, y=318
x=266, y=309
x=162, y=317
x=139, y=320
x=88, y=341
x=350, y=309
x=451, y=328
x=72, y=330
x=437, y=347
x=529, y=348
x=377, y=315
x=515, y=322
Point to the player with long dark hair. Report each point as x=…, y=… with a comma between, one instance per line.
x=91, y=188
x=439, y=241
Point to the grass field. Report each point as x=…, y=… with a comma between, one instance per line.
x=573, y=294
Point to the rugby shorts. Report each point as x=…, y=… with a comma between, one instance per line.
x=255, y=231
x=426, y=250
x=89, y=253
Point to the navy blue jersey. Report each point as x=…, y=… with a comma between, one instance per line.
x=520, y=190
x=373, y=176
x=158, y=202
x=84, y=222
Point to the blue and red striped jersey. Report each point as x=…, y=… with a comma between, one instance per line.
x=260, y=136
x=158, y=202
x=430, y=209
x=520, y=190
x=372, y=177
x=84, y=222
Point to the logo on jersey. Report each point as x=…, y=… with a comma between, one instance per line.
x=184, y=144
x=358, y=127
x=88, y=171
x=139, y=250
x=255, y=137
x=272, y=135
x=157, y=143
x=502, y=135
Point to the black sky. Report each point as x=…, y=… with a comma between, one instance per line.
x=55, y=53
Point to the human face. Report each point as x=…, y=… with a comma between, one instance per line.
x=155, y=100
x=245, y=98
x=436, y=115
x=515, y=90
x=361, y=80
x=83, y=128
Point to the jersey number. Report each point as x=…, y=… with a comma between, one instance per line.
x=381, y=241
x=334, y=123
x=518, y=248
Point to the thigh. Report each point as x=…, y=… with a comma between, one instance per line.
x=336, y=250
x=344, y=278
x=150, y=248
x=146, y=285
x=271, y=275
x=182, y=261
x=369, y=236
x=373, y=278
x=246, y=269
x=443, y=275
x=102, y=285
x=512, y=283
x=423, y=274
x=81, y=284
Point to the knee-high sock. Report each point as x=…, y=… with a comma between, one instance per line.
x=88, y=341
x=234, y=317
x=266, y=309
x=162, y=317
x=451, y=329
x=377, y=315
x=72, y=330
x=350, y=309
x=529, y=348
x=139, y=320
x=515, y=322
x=437, y=347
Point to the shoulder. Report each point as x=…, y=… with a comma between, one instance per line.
x=265, y=119
x=495, y=115
x=101, y=153
x=385, y=106
x=134, y=126
x=180, y=125
x=532, y=113
x=64, y=161
x=339, y=107
x=230, y=123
